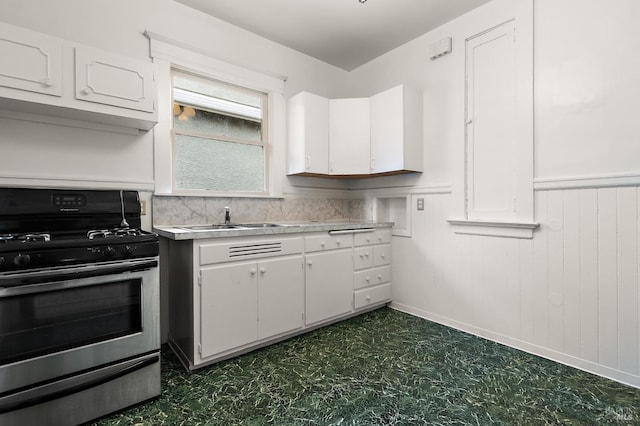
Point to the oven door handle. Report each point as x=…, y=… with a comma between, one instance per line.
x=18, y=279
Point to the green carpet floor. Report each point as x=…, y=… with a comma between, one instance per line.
x=384, y=368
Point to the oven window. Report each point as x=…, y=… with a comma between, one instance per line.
x=42, y=323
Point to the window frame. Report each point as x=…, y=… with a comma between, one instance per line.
x=169, y=54
x=265, y=140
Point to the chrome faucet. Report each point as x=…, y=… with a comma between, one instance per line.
x=227, y=216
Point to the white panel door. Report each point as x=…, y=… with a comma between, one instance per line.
x=329, y=284
x=308, y=134
x=491, y=122
x=280, y=296
x=349, y=136
x=113, y=80
x=387, y=130
x=228, y=307
x=30, y=61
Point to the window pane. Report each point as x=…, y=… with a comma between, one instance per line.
x=219, y=165
x=219, y=91
x=197, y=120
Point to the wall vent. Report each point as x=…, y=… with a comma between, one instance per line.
x=254, y=249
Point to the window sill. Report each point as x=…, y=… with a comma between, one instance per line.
x=494, y=228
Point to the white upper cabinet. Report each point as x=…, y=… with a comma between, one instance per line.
x=308, y=134
x=31, y=61
x=356, y=137
x=349, y=136
x=49, y=79
x=113, y=80
x=396, y=130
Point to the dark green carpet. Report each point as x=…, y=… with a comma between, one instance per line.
x=384, y=368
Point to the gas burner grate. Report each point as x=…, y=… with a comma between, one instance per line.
x=117, y=232
x=25, y=238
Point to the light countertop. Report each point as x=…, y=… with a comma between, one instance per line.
x=187, y=232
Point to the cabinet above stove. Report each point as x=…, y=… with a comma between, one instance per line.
x=55, y=80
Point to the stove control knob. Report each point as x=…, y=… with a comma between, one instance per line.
x=127, y=251
x=109, y=251
x=22, y=260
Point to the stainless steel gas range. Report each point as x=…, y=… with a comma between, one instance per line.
x=79, y=305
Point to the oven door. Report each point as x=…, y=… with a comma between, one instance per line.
x=63, y=321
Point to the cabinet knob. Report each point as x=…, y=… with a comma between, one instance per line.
x=252, y=271
x=367, y=279
x=338, y=242
x=309, y=263
x=263, y=270
x=382, y=256
x=322, y=244
x=87, y=90
x=379, y=277
x=361, y=256
x=368, y=298
x=45, y=82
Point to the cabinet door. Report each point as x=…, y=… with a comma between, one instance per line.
x=113, y=80
x=396, y=130
x=31, y=61
x=280, y=296
x=228, y=307
x=329, y=284
x=349, y=136
x=308, y=134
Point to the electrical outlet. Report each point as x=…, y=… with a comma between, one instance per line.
x=143, y=207
x=420, y=203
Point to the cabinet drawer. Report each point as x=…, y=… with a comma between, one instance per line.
x=327, y=242
x=372, y=277
x=362, y=258
x=379, y=236
x=382, y=255
x=371, y=296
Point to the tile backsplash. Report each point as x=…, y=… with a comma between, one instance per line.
x=175, y=210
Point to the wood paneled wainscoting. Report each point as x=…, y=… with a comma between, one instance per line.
x=569, y=294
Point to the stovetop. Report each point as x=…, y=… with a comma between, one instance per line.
x=42, y=228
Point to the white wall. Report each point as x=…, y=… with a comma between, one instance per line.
x=68, y=156
x=570, y=293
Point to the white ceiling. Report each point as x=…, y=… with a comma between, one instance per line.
x=345, y=33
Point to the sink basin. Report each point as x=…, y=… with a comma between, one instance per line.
x=261, y=225
x=211, y=227
x=218, y=227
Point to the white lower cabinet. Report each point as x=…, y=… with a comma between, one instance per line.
x=248, y=301
x=372, y=265
x=280, y=296
x=329, y=284
x=232, y=295
x=228, y=307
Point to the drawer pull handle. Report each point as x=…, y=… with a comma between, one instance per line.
x=322, y=243
x=368, y=298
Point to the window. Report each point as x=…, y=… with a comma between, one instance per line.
x=220, y=136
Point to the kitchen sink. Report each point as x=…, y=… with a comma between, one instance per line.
x=217, y=227
x=262, y=225
x=211, y=227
